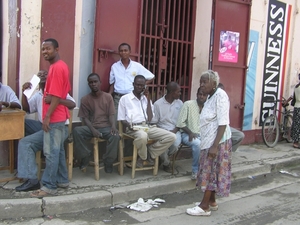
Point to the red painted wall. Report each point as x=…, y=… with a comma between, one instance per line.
x=58, y=22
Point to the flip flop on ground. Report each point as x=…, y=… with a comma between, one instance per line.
x=39, y=194
x=197, y=211
x=296, y=146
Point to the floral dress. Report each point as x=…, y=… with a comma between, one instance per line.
x=215, y=174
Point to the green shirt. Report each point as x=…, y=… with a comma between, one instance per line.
x=190, y=116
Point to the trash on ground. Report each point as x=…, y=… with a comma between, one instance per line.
x=289, y=173
x=251, y=177
x=144, y=206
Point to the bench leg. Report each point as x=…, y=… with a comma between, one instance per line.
x=155, y=169
x=121, y=158
x=133, y=162
x=96, y=160
x=70, y=160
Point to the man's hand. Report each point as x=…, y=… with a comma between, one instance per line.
x=126, y=125
x=27, y=85
x=47, y=99
x=96, y=133
x=46, y=123
x=114, y=131
x=174, y=130
x=192, y=136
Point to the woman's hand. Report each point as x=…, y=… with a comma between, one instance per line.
x=212, y=152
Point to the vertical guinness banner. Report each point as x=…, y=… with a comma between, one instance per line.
x=279, y=15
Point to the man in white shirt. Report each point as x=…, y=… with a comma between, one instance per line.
x=33, y=141
x=8, y=98
x=136, y=108
x=166, y=112
x=122, y=74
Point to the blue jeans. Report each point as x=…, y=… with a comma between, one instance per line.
x=28, y=146
x=56, y=168
x=195, y=146
x=32, y=126
x=172, y=150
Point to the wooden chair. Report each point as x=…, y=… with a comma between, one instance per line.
x=120, y=163
x=69, y=152
x=133, y=158
x=174, y=158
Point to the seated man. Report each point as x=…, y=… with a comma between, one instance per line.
x=136, y=108
x=97, y=112
x=166, y=112
x=8, y=98
x=33, y=141
x=188, y=122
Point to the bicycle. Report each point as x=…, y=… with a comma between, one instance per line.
x=271, y=127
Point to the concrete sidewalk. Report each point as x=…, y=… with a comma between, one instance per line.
x=85, y=192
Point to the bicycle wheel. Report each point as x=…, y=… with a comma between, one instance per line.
x=288, y=120
x=270, y=131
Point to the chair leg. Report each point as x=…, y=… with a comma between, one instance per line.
x=121, y=158
x=70, y=160
x=174, y=158
x=133, y=162
x=96, y=159
x=155, y=169
x=38, y=161
x=11, y=157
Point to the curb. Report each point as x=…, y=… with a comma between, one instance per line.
x=32, y=207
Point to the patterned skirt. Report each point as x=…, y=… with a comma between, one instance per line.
x=215, y=174
x=296, y=125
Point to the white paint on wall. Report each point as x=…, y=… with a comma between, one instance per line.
x=201, y=43
x=30, y=36
x=83, y=47
x=5, y=41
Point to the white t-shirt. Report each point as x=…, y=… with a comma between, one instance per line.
x=132, y=109
x=7, y=94
x=214, y=113
x=166, y=114
x=123, y=77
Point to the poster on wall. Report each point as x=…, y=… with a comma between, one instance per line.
x=250, y=80
x=229, y=46
x=277, y=36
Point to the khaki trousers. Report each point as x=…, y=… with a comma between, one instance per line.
x=163, y=140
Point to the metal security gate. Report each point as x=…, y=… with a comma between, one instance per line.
x=167, y=37
x=161, y=35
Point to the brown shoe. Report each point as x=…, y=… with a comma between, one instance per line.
x=139, y=162
x=150, y=161
x=167, y=168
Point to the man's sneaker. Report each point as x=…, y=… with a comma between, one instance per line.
x=194, y=176
x=84, y=163
x=139, y=162
x=108, y=168
x=150, y=161
x=63, y=185
x=167, y=168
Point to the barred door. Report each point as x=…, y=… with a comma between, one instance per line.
x=166, y=45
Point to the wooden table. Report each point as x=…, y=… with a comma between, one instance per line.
x=11, y=128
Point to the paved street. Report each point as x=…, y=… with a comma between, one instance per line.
x=265, y=199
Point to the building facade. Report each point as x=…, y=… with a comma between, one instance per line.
x=251, y=43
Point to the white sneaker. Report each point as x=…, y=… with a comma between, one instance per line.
x=194, y=176
x=197, y=211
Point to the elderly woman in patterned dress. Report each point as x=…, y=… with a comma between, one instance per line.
x=215, y=156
